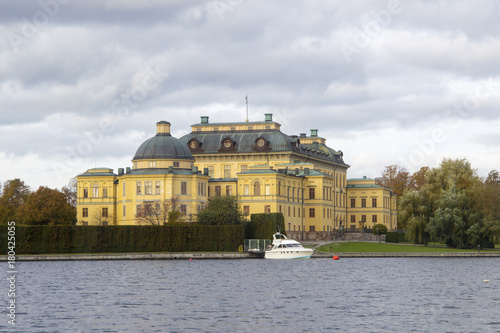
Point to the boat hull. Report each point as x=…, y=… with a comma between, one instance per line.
x=301, y=254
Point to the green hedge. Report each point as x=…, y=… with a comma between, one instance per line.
x=395, y=237
x=112, y=239
x=263, y=226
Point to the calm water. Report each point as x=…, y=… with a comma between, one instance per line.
x=316, y=295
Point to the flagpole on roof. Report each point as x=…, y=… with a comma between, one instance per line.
x=246, y=101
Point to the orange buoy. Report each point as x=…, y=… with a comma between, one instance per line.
x=335, y=257
x=190, y=259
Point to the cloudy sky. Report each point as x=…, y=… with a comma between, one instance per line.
x=82, y=83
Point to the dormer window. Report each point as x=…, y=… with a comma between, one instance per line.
x=261, y=144
x=227, y=144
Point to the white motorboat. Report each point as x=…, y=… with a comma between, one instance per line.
x=284, y=248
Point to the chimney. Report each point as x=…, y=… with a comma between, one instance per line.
x=204, y=119
x=314, y=133
x=269, y=116
x=120, y=171
x=303, y=135
x=163, y=128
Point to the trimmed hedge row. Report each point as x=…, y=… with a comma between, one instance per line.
x=263, y=226
x=395, y=237
x=112, y=239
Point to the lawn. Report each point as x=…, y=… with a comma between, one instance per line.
x=383, y=247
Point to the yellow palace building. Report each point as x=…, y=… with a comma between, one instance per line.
x=269, y=171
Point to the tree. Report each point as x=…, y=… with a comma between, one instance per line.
x=70, y=191
x=221, y=210
x=102, y=218
x=46, y=207
x=414, y=212
x=160, y=213
x=447, y=208
x=379, y=229
x=14, y=194
x=419, y=178
x=396, y=178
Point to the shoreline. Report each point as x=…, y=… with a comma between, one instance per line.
x=242, y=255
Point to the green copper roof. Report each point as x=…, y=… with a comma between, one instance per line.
x=163, y=146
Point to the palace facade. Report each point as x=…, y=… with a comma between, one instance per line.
x=269, y=171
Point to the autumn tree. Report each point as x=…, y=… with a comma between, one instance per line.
x=14, y=194
x=396, y=178
x=46, y=207
x=70, y=191
x=419, y=178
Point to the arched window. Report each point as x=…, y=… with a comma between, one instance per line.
x=95, y=191
x=256, y=188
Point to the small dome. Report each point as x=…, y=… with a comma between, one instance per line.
x=163, y=146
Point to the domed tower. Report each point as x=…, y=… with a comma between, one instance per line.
x=163, y=179
x=163, y=151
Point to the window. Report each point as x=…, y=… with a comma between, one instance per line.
x=95, y=191
x=105, y=212
x=246, y=210
x=104, y=222
x=104, y=192
x=210, y=171
x=183, y=188
x=124, y=193
x=312, y=228
x=353, y=203
x=229, y=190
x=157, y=187
x=227, y=171
x=139, y=210
x=148, y=187
x=85, y=212
x=244, y=168
x=152, y=164
x=293, y=211
x=374, y=218
x=183, y=210
x=217, y=190
x=176, y=164
x=85, y=193
x=268, y=189
x=353, y=218
x=256, y=188
x=288, y=211
x=363, y=218
x=312, y=212
x=85, y=222
x=267, y=209
x=139, y=186
x=124, y=211
x=363, y=203
x=312, y=193
x=374, y=202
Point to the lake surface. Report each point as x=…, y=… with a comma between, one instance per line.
x=256, y=295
